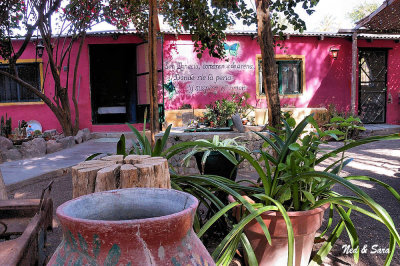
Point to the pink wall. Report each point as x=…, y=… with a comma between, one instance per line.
x=201, y=81
x=42, y=113
x=327, y=80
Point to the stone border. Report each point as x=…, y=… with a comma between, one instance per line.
x=38, y=147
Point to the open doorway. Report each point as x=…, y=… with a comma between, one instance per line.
x=113, y=83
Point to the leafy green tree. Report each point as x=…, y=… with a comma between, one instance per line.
x=362, y=10
x=60, y=24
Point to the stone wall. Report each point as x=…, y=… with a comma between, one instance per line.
x=181, y=118
x=49, y=142
x=249, y=139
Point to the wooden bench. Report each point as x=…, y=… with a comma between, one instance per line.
x=23, y=228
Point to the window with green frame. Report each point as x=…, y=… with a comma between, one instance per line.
x=289, y=77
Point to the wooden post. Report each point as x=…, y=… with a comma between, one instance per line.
x=354, y=65
x=153, y=75
x=3, y=190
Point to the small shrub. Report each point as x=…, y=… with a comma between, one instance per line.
x=219, y=112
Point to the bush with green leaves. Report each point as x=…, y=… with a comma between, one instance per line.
x=335, y=119
x=227, y=143
x=289, y=182
x=219, y=112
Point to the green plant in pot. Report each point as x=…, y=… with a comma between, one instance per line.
x=291, y=189
x=219, y=113
x=218, y=162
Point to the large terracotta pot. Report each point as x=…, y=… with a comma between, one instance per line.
x=305, y=225
x=139, y=226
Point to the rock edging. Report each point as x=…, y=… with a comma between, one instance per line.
x=38, y=147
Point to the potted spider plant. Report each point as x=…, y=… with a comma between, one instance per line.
x=292, y=195
x=211, y=161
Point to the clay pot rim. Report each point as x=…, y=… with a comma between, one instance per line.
x=290, y=213
x=188, y=210
x=298, y=213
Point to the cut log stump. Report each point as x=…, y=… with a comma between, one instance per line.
x=114, y=172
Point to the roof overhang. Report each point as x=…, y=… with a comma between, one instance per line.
x=386, y=19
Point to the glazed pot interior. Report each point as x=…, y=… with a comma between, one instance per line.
x=128, y=204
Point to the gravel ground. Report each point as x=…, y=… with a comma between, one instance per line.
x=380, y=160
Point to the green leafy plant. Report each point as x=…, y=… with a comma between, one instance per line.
x=289, y=182
x=341, y=120
x=227, y=143
x=219, y=112
x=37, y=133
x=143, y=146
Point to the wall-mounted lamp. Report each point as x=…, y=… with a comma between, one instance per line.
x=40, y=49
x=334, y=52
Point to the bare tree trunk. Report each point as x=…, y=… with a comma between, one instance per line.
x=3, y=189
x=153, y=69
x=269, y=68
x=74, y=98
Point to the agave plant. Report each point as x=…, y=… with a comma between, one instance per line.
x=142, y=146
x=289, y=182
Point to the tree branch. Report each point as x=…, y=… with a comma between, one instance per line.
x=34, y=90
x=74, y=100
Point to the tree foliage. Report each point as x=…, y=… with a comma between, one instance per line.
x=328, y=23
x=207, y=21
x=62, y=23
x=362, y=10
x=58, y=25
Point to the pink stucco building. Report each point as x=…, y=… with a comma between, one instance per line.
x=112, y=82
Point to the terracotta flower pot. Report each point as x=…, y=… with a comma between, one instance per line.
x=305, y=225
x=139, y=226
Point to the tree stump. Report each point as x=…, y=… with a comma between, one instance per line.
x=115, y=172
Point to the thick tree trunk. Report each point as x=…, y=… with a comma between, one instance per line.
x=153, y=80
x=269, y=68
